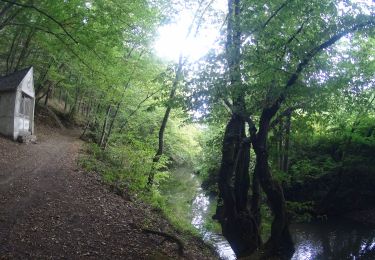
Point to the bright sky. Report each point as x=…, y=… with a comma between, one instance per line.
x=172, y=37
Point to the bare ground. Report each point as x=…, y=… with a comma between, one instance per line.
x=50, y=209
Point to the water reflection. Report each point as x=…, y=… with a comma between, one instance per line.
x=333, y=240
x=337, y=239
x=318, y=241
x=200, y=210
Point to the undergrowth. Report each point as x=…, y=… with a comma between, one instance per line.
x=127, y=169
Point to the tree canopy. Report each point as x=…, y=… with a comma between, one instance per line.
x=283, y=76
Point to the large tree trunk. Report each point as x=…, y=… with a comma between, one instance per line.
x=280, y=243
x=238, y=225
x=255, y=199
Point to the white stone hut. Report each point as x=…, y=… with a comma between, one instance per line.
x=17, y=103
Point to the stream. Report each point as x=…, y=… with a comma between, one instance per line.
x=201, y=213
x=332, y=239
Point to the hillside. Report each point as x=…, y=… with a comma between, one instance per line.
x=50, y=208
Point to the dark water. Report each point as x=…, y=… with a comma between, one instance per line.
x=333, y=239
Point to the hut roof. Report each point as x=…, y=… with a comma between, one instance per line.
x=12, y=81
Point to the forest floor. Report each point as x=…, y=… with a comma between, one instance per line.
x=51, y=209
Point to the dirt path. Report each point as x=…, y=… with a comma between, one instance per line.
x=49, y=209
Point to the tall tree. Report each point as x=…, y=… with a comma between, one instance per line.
x=202, y=7
x=270, y=48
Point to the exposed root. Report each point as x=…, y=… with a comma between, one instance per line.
x=167, y=237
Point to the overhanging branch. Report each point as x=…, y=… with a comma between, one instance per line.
x=271, y=111
x=286, y=112
x=43, y=13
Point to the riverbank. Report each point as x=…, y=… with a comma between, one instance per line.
x=189, y=202
x=52, y=208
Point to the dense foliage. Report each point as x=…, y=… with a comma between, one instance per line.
x=290, y=90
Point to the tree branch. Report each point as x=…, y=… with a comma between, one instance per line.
x=286, y=112
x=293, y=37
x=268, y=20
x=273, y=15
x=201, y=17
x=36, y=27
x=137, y=108
x=227, y=104
x=271, y=111
x=43, y=13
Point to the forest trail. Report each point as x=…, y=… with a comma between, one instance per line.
x=51, y=209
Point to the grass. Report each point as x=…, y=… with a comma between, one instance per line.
x=173, y=201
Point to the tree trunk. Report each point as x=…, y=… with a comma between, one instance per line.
x=88, y=109
x=60, y=95
x=48, y=93
x=287, y=142
x=237, y=222
x=106, y=138
x=66, y=102
x=255, y=199
x=102, y=136
x=25, y=47
x=159, y=152
x=42, y=77
x=80, y=103
x=12, y=51
x=280, y=147
x=73, y=108
x=164, y=122
x=280, y=243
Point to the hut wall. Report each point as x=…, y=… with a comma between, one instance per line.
x=24, y=107
x=27, y=86
x=7, y=107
